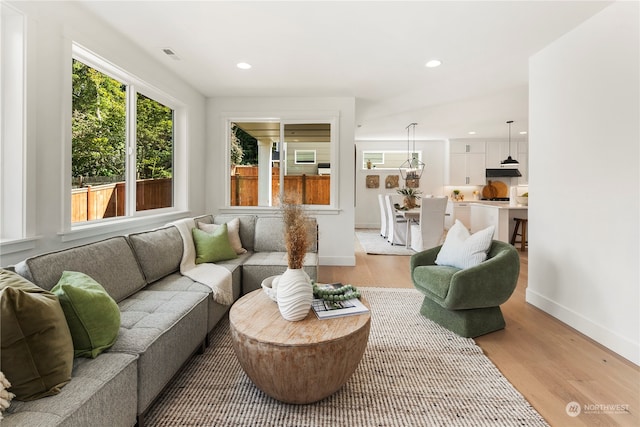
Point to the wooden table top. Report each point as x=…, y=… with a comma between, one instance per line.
x=410, y=214
x=256, y=316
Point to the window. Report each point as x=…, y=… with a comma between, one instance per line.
x=271, y=159
x=374, y=158
x=122, y=144
x=385, y=159
x=12, y=125
x=305, y=156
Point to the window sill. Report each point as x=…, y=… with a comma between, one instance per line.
x=18, y=245
x=122, y=226
x=263, y=210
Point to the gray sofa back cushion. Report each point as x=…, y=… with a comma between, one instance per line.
x=110, y=262
x=247, y=228
x=269, y=235
x=207, y=219
x=159, y=252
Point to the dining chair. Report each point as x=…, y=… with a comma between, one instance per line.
x=383, y=216
x=429, y=231
x=397, y=225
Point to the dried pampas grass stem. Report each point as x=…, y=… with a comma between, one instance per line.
x=295, y=233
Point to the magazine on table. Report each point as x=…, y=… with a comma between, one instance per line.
x=332, y=309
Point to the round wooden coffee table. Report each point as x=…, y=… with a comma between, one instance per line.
x=295, y=362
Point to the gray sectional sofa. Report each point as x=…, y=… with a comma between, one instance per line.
x=165, y=317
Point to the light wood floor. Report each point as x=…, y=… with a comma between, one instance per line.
x=550, y=363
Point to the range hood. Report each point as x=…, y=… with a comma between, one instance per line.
x=502, y=172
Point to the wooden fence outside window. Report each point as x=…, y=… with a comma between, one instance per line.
x=303, y=189
x=108, y=200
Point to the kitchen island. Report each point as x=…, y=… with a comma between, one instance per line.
x=499, y=214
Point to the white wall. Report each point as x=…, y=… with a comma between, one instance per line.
x=584, y=158
x=367, y=214
x=336, y=236
x=52, y=26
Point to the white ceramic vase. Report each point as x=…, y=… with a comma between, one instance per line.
x=294, y=294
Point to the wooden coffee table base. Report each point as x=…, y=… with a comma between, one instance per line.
x=295, y=362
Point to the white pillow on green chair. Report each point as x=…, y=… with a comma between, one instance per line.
x=462, y=249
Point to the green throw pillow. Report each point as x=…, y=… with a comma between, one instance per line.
x=213, y=247
x=93, y=316
x=36, y=349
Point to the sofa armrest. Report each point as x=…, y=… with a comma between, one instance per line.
x=488, y=284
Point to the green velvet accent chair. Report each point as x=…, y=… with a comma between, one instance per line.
x=467, y=301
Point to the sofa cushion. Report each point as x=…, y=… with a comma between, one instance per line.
x=269, y=236
x=159, y=251
x=233, y=228
x=110, y=262
x=212, y=247
x=37, y=350
x=178, y=282
x=261, y=265
x=434, y=279
x=204, y=219
x=247, y=227
x=102, y=389
x=164, y=328
x=462, y=249
x=92, y=315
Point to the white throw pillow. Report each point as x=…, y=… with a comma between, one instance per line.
x=233, y=230
x=462, y=249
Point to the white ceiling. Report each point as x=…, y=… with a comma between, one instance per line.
x=373, y=51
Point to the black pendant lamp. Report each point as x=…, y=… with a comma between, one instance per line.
x=509, y=160
x=413, y=167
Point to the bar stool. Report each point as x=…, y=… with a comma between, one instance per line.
x=522, y=234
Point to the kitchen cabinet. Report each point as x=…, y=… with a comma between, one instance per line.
x=466, y=163
x=496, y=152
x=448, y=215
x=462, y=212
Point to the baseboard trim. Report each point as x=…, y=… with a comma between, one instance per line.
x=345, y=261
x=372, y=225
x=608, y=338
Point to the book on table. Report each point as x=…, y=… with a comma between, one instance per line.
x=332, y=309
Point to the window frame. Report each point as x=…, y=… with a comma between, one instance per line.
x=304, y=162
x=331, y=118
x=14, y=154
x=383, y=152
x=135, y=86
x=365, y=158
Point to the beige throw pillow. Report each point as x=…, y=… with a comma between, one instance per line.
x=233, y=229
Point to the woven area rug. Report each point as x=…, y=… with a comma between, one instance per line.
x=413, y=373
x=374, y=244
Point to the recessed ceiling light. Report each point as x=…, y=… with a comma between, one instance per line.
x=524, y=132
x=243, y=65
x=433, y=63
x=472, y=132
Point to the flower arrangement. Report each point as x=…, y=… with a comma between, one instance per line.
x=296, y=235
x=409, y=192
x=410, y=195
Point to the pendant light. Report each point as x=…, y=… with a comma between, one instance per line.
x=509, y=160
x=412, y=168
